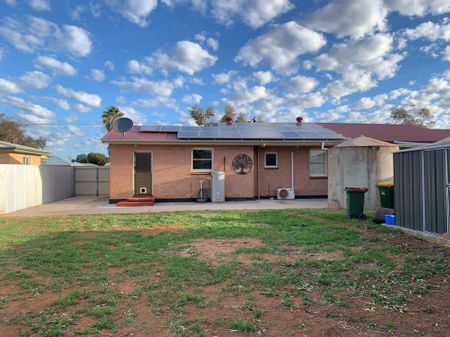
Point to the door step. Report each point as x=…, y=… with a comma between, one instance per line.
x=138, y=200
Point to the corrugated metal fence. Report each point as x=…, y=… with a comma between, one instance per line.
x=422, y=189
x=92, y=180
x=23, y=186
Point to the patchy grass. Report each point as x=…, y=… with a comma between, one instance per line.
x=272, y=273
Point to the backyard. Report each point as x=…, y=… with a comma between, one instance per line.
x=248, y=273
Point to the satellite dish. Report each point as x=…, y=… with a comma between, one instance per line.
x=123, y=124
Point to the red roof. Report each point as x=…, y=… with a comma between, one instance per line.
x=389, y=132
x=134, y=134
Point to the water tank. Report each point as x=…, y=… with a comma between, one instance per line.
x=217, y=186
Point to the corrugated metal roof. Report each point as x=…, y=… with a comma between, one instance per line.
x=135, y=135
x=11, y=147
x=442, y=144
x=389, y=132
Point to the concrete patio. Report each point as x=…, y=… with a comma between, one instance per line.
x=83, y=205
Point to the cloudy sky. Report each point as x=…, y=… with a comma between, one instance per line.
x=62, y=62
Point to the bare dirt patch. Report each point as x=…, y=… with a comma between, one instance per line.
x=125, y=287
x=85, y=322
x=115, y=270
x=216, y=251
x=159, y=229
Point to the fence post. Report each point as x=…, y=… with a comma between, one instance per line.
x=97, y=181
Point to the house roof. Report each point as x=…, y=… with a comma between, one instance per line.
x=442, y=144
x=11, y=147
x=363, y=141
x=393, y=133
x=237, y=132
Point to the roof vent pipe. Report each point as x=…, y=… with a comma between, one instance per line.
x=228, y=121
x=299, y=120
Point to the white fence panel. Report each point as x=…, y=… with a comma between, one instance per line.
x=23, y=186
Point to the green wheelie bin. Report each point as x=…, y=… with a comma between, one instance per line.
x=386, y=189
x=355, y=202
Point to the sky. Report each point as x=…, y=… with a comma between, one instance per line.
x=63, y=62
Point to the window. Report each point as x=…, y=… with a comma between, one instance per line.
x=271, y=160
x=202, y=160
x=318, y=163
x=25, y=160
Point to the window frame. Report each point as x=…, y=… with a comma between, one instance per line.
x=265, y=160
x=26, y=160
x=192, y=160
x=325, y=162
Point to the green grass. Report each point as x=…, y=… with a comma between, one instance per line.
x=64, y=255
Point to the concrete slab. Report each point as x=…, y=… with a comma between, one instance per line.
x=84, y=205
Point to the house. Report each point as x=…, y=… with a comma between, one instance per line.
x=11, y=153
x=257, y=159
x=405, y=136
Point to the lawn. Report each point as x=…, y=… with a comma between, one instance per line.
x=254, y=273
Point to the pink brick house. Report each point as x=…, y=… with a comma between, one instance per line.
x=257, y=159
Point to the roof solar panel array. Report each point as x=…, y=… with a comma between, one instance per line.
x=249, y=131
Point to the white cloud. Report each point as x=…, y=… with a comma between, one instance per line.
x=185, y=56
x=254, y=13
x=162, y=88
x=263, y=77
x=34, y=33
x=419, y=7
x=193, y=99
x=301, y=84
x=109, y=65
x=212, y=43
x=446, y=54
x=80, y=96
x=34, y=79
x=137, y=117
x=135, y=11
x=432, y=31
x=136, y=67
x=39, y=5
x=62, y=103
x=11, y=2
x=58, y=67
x=349, y=17
x=223, y=78
x=281, y=46
x=98, y=75
x=33, y=113
x=8, y=87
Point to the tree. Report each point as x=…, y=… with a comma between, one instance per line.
x=93, y=158
x=110, y=115
x=13, y=132
x=242, y=118
x=228, y=112
x=422, y=117
x=202, y=116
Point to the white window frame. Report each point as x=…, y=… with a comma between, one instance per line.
x=26, y=160
x=265, y=160
x=192, y=160
x=317, y=162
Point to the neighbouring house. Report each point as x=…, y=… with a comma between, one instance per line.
x=405, y=136
x=257, y=159
x=11, y=153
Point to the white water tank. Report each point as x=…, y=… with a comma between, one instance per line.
x=217, y=186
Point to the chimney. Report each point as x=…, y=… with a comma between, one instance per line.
x=228, y=121
x=299, y=120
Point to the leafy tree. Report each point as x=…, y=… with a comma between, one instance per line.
x=202, y=116
x=242, y=118
x=422, y=117
x=228, y=111
x=110, y=115
x=93, y=158
x=13, y=132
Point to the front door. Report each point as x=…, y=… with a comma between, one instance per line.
x=142, y=173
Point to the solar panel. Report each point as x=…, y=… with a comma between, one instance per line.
x=170, y=128
x=189, y=134
x=150, y=128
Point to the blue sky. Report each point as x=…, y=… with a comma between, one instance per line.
x=62, y=62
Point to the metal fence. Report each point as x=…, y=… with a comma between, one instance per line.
x=91, y=180
x=23, y=186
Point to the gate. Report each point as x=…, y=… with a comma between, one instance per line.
x=91, y=180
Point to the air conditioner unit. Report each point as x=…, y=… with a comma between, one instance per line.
x=285, y=193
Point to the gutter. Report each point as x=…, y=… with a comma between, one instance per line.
x=228, y=142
